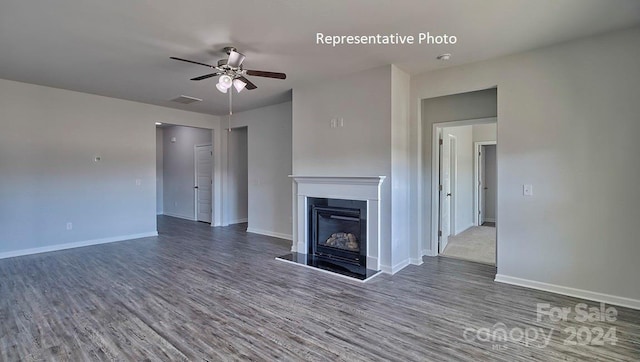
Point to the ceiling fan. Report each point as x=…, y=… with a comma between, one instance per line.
x=231, y=72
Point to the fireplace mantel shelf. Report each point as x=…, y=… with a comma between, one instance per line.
x=339, y=179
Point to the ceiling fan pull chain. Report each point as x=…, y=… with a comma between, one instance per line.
x=230, y=109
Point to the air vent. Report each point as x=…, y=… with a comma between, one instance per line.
x=186, y=99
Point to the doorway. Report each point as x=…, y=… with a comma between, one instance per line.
x=466, y=189
x=485, y=187
x=203, y=161
x=184, y=170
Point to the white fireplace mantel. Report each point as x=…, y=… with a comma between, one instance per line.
x=362, y=188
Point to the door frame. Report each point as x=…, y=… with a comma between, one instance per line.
x=435, y=174
x=195, y=180
x=447, y=193
x=442, y=237
x=477, y=148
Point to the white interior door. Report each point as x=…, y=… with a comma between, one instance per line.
x=481, y=187
x=204, y=165
x=445, y=195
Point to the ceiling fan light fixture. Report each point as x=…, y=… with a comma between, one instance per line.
x=221, y=88
x=225, y=81
x=239, y=85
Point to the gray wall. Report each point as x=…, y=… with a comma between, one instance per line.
x=490, y=182
x=459, y=107
x=48, y=176
x=269, y=167
x=159, y=171
x=238, y=188
x=179, y=169
x=568, y=125
x=485, y=132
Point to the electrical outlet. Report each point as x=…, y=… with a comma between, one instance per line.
x=527, y=190
x=69, y=226
x=138, y=182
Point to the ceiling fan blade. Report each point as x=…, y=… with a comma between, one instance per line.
x=249, y=84
x=235, y=59
x=191, y=61
x=260, y=73
x=205, y=76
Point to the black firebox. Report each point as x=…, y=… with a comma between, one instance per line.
x=338, y=230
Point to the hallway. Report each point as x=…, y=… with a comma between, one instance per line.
x=477, y=243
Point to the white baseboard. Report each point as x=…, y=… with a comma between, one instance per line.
x=427, y=252
x=396, y=268
x=238, y=221
x=572, y=292
x=269, y=233
x=487, y=219
x=77, y=244
x=179, y=216
x=415, y=261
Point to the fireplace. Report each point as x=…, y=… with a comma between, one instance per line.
x=337, y=225
x=338, y=230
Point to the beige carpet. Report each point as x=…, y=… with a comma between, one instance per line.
x=477, y=243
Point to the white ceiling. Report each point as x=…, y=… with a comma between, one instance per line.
x=121, y=48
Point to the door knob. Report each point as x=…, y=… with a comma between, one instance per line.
x=449, y=194
x=195, y=187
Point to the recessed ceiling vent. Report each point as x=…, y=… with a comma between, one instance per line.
x=186, y=99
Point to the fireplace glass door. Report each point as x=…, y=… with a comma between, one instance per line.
x=337, y=233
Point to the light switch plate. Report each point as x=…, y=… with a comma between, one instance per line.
x=527, y=190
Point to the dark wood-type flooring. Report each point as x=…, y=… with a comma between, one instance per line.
x=199, y=293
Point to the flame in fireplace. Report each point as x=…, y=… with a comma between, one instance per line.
x=346, y=241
